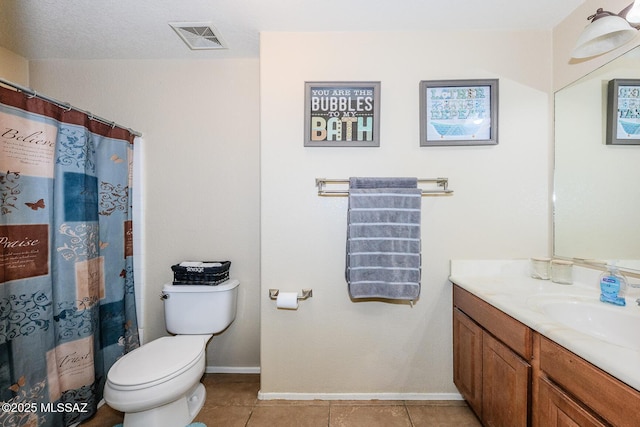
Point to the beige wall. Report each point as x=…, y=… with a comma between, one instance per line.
x=500, y=208
x=14, y=68
x=200, y=124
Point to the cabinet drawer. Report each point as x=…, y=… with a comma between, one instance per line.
x=514, y=334
x=615, y=401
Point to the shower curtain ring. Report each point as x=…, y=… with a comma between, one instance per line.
x=32, y=95
x=67, y=107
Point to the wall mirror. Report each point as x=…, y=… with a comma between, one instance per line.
x=596, y=186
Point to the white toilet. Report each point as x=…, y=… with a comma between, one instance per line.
x=158, y=384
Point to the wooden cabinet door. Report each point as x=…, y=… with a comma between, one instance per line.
x=556, y=409
x=467, y=360
x=505, y=385
x=611, y=399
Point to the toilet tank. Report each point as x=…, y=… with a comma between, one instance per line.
x=200, y=309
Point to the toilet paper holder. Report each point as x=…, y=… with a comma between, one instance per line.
x=306, y=293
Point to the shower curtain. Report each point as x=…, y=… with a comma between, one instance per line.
x=67, y=303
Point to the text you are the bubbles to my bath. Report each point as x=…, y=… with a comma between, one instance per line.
x=342, y=114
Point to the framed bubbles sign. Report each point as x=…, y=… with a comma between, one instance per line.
x=458, y=112
x=342, y=114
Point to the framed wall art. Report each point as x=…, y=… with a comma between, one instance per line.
x=342, y=114
x=623, y=112
x=458, y=112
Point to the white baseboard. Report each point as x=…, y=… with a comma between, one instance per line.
x=232, y=369
x=330, y=396
x=359, y=396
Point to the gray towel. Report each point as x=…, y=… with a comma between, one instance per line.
x=383, y=238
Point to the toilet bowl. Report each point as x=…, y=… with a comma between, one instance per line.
x=158, y=384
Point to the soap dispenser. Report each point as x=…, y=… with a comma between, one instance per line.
x=613, y=286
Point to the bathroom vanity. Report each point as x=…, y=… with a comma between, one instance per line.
x=518, y=365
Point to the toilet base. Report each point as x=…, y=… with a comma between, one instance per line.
x=177, y=413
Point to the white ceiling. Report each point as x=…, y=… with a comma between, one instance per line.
x=138, y=29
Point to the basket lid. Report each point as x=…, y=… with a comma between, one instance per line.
x=224, y=265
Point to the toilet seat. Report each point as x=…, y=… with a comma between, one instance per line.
x=157, y=362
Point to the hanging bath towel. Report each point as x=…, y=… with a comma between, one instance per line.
x=383, y=238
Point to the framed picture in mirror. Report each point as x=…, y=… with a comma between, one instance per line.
x=623, y=112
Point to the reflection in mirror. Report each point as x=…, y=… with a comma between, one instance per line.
x=596, y=186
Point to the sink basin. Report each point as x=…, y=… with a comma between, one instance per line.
x=610, y=323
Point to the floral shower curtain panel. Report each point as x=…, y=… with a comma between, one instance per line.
x=67, y=309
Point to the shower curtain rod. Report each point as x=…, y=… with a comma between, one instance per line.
x=65, y=105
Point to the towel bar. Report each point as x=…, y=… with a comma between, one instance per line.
x=440, y=182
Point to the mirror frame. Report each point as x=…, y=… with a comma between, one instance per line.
x=600, y=263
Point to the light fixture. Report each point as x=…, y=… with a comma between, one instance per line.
x=633, y=15
x=608, y=31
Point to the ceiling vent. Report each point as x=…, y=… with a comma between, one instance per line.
x=198, y=35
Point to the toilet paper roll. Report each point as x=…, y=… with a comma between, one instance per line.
x=288, y=300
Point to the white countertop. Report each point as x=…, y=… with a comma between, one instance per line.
x=507, y=286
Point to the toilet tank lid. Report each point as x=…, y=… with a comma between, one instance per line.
x=224, y=286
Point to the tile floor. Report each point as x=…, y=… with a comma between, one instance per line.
x=232, y=401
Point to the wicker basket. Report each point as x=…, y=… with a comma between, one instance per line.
x=201, y=275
